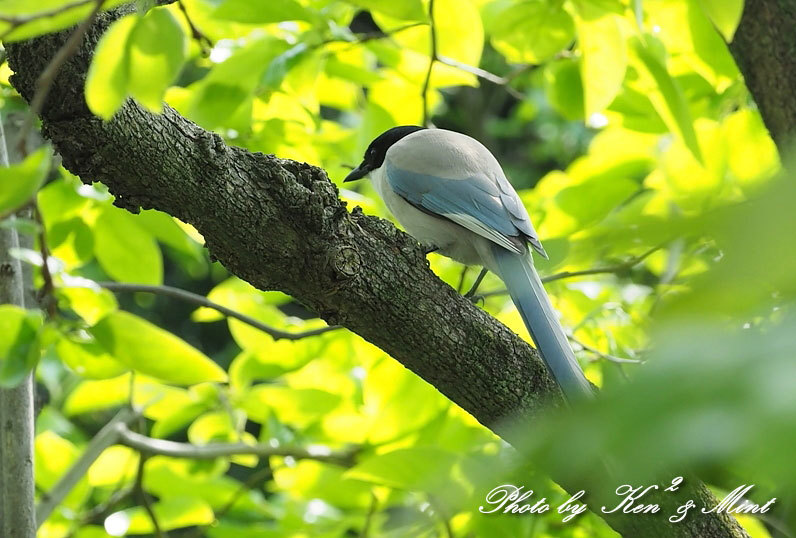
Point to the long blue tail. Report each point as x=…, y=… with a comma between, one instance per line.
x=528, y=294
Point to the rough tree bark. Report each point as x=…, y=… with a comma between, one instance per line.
x=764, y=47
x=279, y=225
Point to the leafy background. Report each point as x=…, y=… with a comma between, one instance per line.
x=627, y=130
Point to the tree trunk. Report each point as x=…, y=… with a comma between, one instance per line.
x=280, y=225
x=17, y=515
x=764, y=48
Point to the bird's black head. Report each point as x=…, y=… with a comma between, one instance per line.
x=374, y=155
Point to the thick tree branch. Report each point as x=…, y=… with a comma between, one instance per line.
x=280, y=225
x=764, y=47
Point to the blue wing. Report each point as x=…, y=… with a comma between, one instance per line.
x=486, y=206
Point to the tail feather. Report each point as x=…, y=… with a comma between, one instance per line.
x=529, y=296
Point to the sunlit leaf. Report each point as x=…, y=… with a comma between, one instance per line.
x=151, y=350
x=668, y=97
x=528, y=32
x=19, y=346
x=400, y=9
x=262, y=11
x=19, y=182
x=88, y=359
x=39, y=25
x=410, y=468
x=109, y=73
x=725, y=14
x=156, y=52
x=115, y=466
x=125, y=250
x=171, y=513
x=604, y=57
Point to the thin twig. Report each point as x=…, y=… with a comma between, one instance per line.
x=47, y=292
x=47, y=77
x=176, y=293
x=482, y=73
x=600, y=354
x=98, y=512
x=106, y=437
x=204, y=42
x=432, y=58
x=618, y=268
x=143, y=497
x=174, y=449
x=374, y=506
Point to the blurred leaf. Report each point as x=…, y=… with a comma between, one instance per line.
x=116, y=465
x=316, y=480
x=298, y=407
x=528, y=32
x=126, y=251
x=59, y=200
x=400, y=9
x=166, y=477
x=53, y=456
x=604, y=57
x=166, y=230
x=153, y=351
x=19, y=182
x=46, y=24
x=725, y=14
x=72, y=242
x=90, y=303
x=410, y=468
x=262, y=11
x=109, y=75
x=668, y=99
x=564, y=88
x=88, y=359
x=171, y=513
x=19, y=346
x=156, y=52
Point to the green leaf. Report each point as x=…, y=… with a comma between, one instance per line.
x=171, y=513
x=19, y=344
x=90, y=303
x=166, y=230
x=116, y=465
x=300, y=407
x=262, y=11
x=280, y=65
x=591, y=200
x=564, y=88
x=528, y=32
x=603, y=56
x=19, y=183
x=725, y=15
x=420, y=468
x=108, y=75
x=157, y=53
x=40, y=25
x=153, y=351
x=668, y=100
x=96, y=395
x=88, y=359
x=400, y=9
x=125, y=250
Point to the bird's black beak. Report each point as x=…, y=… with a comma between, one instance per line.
x=359, y=172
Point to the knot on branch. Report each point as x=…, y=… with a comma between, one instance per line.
x=345, y=261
